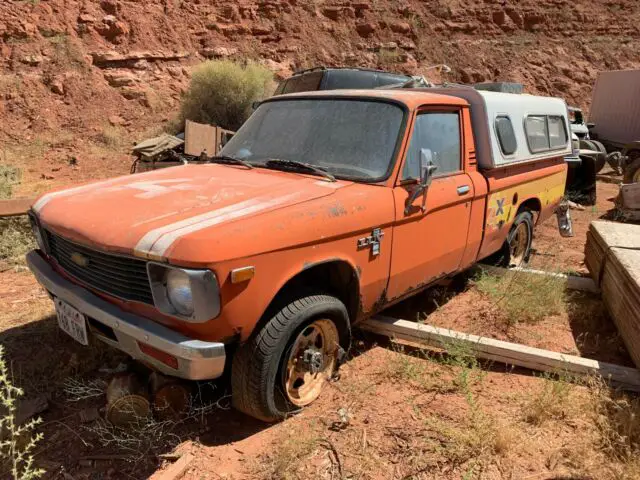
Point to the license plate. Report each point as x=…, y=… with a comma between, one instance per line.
x=71, y=321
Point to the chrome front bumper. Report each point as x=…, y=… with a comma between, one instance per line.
x=197, y=360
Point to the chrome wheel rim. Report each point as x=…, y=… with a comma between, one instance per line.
x=311, y=362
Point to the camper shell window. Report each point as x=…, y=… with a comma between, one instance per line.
x=545, y=132
x=506, y=135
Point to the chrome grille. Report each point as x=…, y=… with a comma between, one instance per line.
x=119, y=276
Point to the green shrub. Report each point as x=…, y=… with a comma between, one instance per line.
x=221, y=92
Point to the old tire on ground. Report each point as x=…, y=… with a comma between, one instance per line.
x=632, y=172
x=287, y=362
x=519, y=239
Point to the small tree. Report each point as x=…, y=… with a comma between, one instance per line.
x=222, y=92
x=16, y=441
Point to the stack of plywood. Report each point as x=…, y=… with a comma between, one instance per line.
x=612, y=255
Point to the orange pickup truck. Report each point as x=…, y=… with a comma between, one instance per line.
x=323, y=209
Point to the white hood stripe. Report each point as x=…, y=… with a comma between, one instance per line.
x=42, y=201
x=157, y=241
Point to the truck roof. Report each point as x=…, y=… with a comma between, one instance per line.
x=411, y=98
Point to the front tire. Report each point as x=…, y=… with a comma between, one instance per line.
x=286, y=364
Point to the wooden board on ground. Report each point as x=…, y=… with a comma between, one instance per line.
x=612, y=255
x=15, y=206
x=504, y=352
x=572, y=282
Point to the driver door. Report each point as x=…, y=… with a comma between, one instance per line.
x=430, y=234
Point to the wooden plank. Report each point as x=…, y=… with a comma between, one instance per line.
x=612, y=255
x=504, y=352
x=15, y=206
x=199, y=137
x=175, y=470
x=573, y=282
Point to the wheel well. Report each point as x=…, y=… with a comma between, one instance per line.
x=532, y=204
x=334, y=277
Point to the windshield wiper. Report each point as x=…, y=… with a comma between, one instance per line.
x=229, y=160
x=295, y=165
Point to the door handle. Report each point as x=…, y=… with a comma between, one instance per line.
x=463, y=189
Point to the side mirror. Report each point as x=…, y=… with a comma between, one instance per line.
x=591, y=125
x=427, y=169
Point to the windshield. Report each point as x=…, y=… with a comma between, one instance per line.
x=354, y=139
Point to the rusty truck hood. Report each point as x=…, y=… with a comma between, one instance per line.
x=148, y=214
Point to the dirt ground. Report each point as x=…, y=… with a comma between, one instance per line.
x=396, y=412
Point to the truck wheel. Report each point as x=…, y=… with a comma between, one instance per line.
x=285, y=365
x=520, y=238
x=632, y=172
x=601, y=160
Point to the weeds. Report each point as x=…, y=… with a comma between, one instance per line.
x=524, y=297
x=9, y=177
x=145, y=434
x=16, y=239
x=17, y=441
x=617, y=419
x=549, y=402
x=111, y=137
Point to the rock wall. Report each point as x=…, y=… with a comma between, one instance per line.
x=76, y=66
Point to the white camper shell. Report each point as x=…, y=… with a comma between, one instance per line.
x=515, y=128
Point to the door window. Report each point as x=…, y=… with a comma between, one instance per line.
x=439, y=134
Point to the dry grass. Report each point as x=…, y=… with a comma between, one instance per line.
x=114, y=138
x=617, y=418
x=522, y=297
x=9, y=177
x=16, y=239
x=549, y=401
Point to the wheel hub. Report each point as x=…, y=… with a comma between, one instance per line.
x=313, y=360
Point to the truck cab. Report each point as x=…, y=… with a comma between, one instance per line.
x=323, y=209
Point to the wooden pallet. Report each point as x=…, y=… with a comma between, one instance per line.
x=612, y=255
x=503, y=352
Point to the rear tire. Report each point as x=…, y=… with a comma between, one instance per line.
x=268, y=376
x=519, y=239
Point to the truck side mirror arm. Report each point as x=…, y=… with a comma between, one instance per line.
x=427, y=169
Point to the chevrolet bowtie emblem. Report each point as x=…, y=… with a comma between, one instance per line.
x=79, y=259
x=372, y=241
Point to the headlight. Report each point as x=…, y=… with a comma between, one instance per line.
x=188, y=294
x=179, y=292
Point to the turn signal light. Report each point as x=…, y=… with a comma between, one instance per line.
x=243, y=274
x=164, y=357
